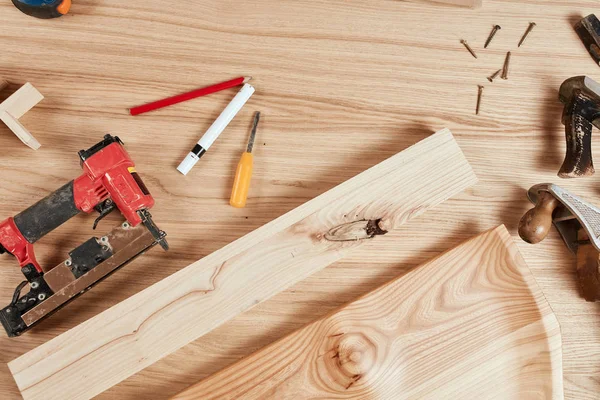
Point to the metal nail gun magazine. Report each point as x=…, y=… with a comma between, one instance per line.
x=109, y=182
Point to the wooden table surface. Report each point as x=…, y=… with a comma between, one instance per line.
x=342, y=85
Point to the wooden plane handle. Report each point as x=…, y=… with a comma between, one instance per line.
x=536, y=223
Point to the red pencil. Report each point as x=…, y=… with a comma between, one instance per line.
x=188, y=96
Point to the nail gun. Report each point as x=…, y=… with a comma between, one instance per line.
x=109, y=182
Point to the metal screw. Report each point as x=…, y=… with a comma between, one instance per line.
x=506, y=65
x=492, y=34
x=479, y=95
x=34, y=285
x=527, y=32
x=68, y=263
x=494, y=75
x=25, y=269
x=125, y=225
x=105, y=248
x=464, y=42
x=104, y=239
x=41, y=296
x=8, y=311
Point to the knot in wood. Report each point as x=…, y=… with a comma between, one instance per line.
x=353, y=356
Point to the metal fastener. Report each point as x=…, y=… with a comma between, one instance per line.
x=34, y=285
x=506, y=66
x=125, y=225
x=464, y=42
x=494, y=75
x=479, y=95
x=68, y=263
x=492, y=34
x=527, y=32
x=41, y=296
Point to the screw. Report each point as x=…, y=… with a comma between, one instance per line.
x=34, y=285
x=506, y=65
x=125, y=225
x=492, y=34
x=479, y=95
x=494, y=75
x=8, y=311
x=68, y=263
x=464, y=42
x=25, y=269
x=527, y=32
x=41, y=296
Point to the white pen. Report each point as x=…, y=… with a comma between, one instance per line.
x=216, y=128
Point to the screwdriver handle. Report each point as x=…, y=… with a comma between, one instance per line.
x=241, y=184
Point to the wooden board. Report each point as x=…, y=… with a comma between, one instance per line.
x=470, y=324
x=168, y=315
x=341, y=85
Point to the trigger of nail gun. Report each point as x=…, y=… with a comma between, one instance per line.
x=104, y=208
x=572, y=215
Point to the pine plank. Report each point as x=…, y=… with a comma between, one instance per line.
x=469, y=324
x=148, y=326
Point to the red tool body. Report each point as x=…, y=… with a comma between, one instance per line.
x=108, y=177
x=109, y=182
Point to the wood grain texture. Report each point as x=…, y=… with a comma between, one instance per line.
x=470, y=324
x=460, y=3
x=341, y=85
x=152, y=324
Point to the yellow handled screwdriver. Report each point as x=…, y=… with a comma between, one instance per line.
x=243, y=173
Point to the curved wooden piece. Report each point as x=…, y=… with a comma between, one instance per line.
x=470, y=324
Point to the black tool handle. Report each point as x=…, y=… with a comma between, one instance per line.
x=578, y=117
x=47, y=214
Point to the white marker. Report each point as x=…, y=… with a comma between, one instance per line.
x=216, y=128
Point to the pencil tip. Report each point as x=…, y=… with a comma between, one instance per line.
x=247, y=78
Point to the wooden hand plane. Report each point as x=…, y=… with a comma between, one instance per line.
x=578, y=223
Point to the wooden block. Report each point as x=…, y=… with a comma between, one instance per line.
x=470, y=324
x=154, y=323
x=15, y=107
x=19, y=130
x=22, y=101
